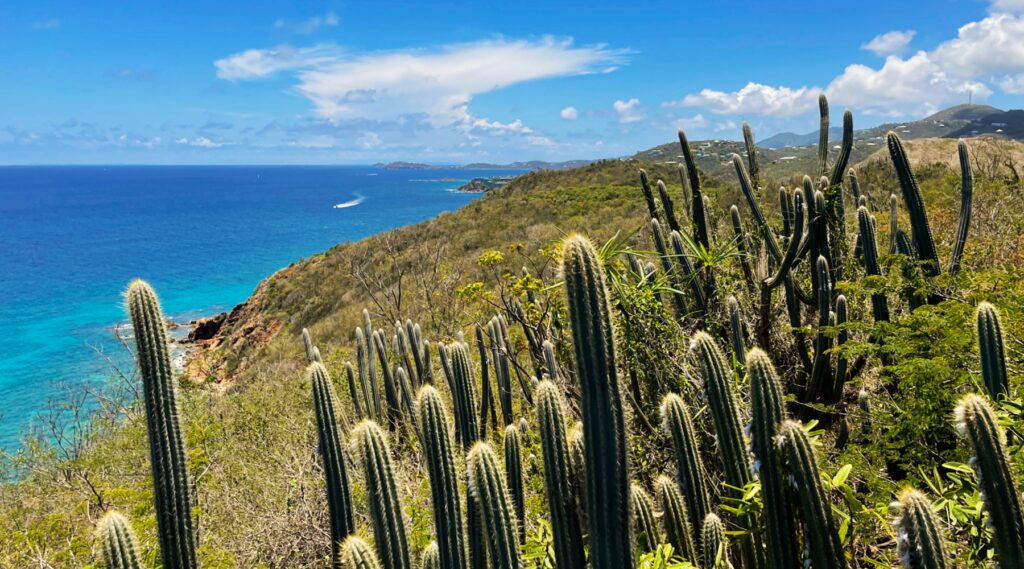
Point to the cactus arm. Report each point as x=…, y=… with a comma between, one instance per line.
x=920, y=230
x=966, y=195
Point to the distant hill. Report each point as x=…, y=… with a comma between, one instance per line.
x=405, y=166
x=532, y=165
x=790, y=139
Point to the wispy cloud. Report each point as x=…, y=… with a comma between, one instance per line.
x=569, y=114
x=130, y=73
x=890, y=43
x=629, y=111
x=310, y=25
x=260, y=63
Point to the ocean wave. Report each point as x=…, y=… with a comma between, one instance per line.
x=350, y=203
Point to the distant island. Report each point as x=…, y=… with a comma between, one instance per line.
x=481, y=185
x=532, y=165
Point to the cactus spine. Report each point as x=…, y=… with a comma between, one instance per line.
x=820, y=536
x=496, y=515
x=920, y=231
x=921, y=543
x=993, y=356
x=675, y=418
x=438, y=448
x=646, y=529
x=668, y=207
x=120, y=546
x=431, y=557
x=698, y=215
x=565, y=525
x=307, y=345
x=339, y=500
x=752, y=165
x=463, y=393
x=767, y=405
x=171, y=492
x=385, y=509
x=604, y=426
x=714, y=544
x=356, y=554
x=978, y=423
x=514, y=475
x=674, y=518
x=739, y=350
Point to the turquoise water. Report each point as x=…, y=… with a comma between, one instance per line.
x=71, y=238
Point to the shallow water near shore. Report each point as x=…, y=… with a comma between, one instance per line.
x=71, y=238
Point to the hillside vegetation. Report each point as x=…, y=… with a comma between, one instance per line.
x=847, y=373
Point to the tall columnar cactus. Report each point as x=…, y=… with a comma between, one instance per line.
x=514, y=476
x=701, y=295
x=993, y=356
x=842, y=371
x=821, y=540
x=767, y=406
x=339, y=500
x=486, y=397
x=823, y=135
x=751, y=148
x=645, y=186
x=438, y=448
x=739, y=349
x=356, y=554
x=496, y=510
x=718, y=387
x=645, y=527
x=368, y=377
x=431, y=558
x=502, y=372
x=698, y=215
x=894, y=221
x=385, y=508
x=922, y=545
x=601, y=404
x=978, y=423
x=550, y=363
x=577, y=462
x=767, y=233
x=869, y=246
x=714, y=544
x=966, y=195
x=820, y=371
x=307, y=345
x=673, y=270
x=120, y=546
x=171, y=492
x=690, y=470
x=668, y=207
x=464, y=393
x=920, y=231
x=675, y=519
x=565, y=525
x=744, y=248
x=851, y=177
x=355, y=391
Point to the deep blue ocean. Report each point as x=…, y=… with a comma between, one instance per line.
x=71, y=239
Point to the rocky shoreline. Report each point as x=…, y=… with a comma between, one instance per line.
x=482, y=185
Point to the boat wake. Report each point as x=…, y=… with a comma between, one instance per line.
x=351, y=203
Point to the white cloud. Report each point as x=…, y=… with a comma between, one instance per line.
x=312, y=25
x=984, y=54
x=569, y=114
x=890, y=43
x=435, y=85
x=181, y=140
x=204, y=142
x=260, y=63
x=516, y=126
x=753, y=99
x=695, y=122
x=629, y=111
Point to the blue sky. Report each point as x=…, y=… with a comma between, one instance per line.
x=207, y=82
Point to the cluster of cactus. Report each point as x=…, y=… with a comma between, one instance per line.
x=587, y=469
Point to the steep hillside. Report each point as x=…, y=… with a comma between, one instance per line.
x=247, y=408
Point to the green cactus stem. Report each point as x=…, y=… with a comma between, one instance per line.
x=171, y=489
x=558, y=475
x=767, y=233
x=356, y=554
x=514, y=476
x=675, y=519
x=751, y=148
x=993, y=355
x=698, y=215
x=339, y=499
x=668, y=207
x=431, y=557
x=714, y=544
x=869, y=246
x=385, y=508
x=977, y=422
x=966, y=195
x=920, y=231
x=497, y=517
x=645, y=530
x=438, y=448
x=118, y=541
x=675, y=418
x=604, y=426
x=921, y=543
x=821, y=538
x=307, y=345
x=652, y=206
